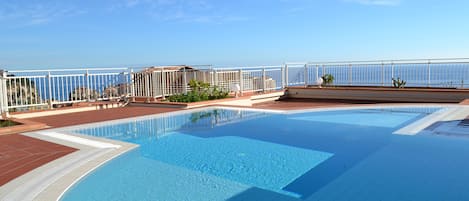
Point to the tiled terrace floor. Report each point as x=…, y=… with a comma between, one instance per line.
x=99, y=115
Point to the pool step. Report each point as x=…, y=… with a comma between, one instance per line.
x=438, y=116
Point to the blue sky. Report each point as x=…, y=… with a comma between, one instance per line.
x=104, y=33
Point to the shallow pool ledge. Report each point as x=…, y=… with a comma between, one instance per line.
x=445, y=114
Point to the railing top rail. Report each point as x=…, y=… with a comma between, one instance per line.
x=104, y=68
x=395, y=61
x=66, y=70
x=175, y=65
x=247, y=67
x=296, y=63
x=22, y=77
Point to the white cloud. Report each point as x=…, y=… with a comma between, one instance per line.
x=376, y=2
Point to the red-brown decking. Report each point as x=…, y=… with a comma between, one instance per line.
x=72, y=119
x=20, y=154
x=464, y=102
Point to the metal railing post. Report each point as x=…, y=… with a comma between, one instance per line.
x=392, y=72
x=263, y=79
x=305, y=77
x=184, y=81
x=317, y=73
x=163, y=84
x=428, y=74
x=216, y=78
x=323, y=70
x=153, y=85
x=49, y=80
x=282, y=76
x=4, y=104
x=286, y=75
x=88, y=87
x=132, y=84
x=350, y=75
x=382, y=74
x=3, y=94
x=147, y=83
x=211, y=77
x=241, y=82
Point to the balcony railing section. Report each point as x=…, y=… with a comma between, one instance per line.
x=43, y=89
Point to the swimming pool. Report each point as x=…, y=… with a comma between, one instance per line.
x=235, y=154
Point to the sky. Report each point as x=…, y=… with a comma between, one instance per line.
x=115, y=33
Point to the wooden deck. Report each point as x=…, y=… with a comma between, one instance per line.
x=20, y=154
x=72, y=119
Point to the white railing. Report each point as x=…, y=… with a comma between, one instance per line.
x=262, y=79
x=37, y=89
x=442, y=73
x=161, y=82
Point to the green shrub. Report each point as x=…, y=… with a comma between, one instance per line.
x=200, y=91
x=6, y=123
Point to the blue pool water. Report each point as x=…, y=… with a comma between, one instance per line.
x=239, y=155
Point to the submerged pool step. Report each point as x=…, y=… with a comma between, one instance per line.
x=441, y=115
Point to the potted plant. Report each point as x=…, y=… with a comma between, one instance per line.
x=398, y=83
x=327, y=79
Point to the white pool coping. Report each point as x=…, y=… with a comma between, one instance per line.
x=79, y=140
x=52, y=180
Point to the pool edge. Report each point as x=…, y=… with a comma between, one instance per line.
x=52, y=192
